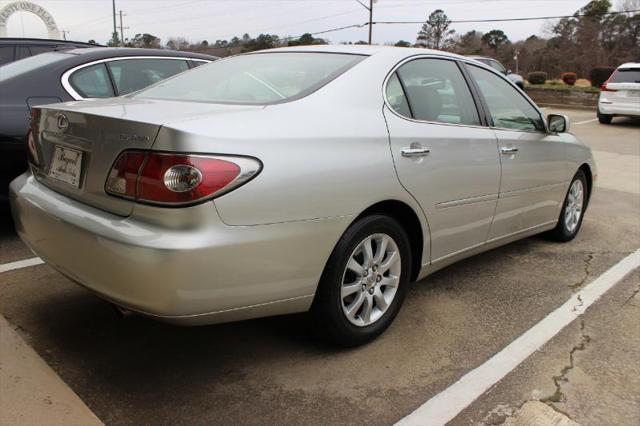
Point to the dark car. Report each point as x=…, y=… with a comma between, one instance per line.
x=69, y=75
x=14, y=49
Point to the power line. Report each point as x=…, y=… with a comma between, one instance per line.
x=467, y=21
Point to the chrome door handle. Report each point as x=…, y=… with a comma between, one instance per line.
x=415, y=152
x=509, y=151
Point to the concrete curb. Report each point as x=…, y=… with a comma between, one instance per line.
x=31, y=393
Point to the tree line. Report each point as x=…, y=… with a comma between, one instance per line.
x=592, y=37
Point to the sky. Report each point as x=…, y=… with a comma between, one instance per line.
x=211, y=20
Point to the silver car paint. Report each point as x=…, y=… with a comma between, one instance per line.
x=260, y=250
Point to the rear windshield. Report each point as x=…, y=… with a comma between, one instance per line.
x=623, y=75
x=260, y=79
x=29, y=64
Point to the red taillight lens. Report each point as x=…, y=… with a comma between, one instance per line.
x=177, y=179
x=32, y=151
x=168, y=178
x=123, y=177
x=604, y=87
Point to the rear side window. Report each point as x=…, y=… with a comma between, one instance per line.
x=22, y=52
x=626, y=75
x=30, y=64
x=436, y=91
x=6, y=54
x=256, y=79
x=134, y=74
x=396, y=97
x=92, y=82
x=36, y=50
x=508, y=108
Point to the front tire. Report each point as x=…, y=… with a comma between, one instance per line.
x=364, y=282
x=573, y=209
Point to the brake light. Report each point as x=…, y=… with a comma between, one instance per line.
x=177, y=179
x=32, y=152
x=34, y=117
x=604, y=87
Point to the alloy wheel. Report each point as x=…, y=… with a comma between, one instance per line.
x=370, y=279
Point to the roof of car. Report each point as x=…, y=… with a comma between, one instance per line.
x=358, y=49
x=24, y=40
x=97, y=53
x=629, y=65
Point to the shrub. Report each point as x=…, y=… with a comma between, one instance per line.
x=537, y=77
x=599, y=75
x=569, y=78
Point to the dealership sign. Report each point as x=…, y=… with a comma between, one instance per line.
x=27, y=6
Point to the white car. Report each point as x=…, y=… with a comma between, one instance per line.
x=620, y=95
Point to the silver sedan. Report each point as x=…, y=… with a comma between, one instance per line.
x=321, y=179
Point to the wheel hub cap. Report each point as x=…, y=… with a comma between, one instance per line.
x=370, y=279
x=573, y=206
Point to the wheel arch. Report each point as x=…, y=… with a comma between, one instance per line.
x=589, y=175
x=409, y=220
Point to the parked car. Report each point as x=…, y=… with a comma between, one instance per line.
x=517, y=79
x=76, y=74
x=310, y=178
x=620, y=95
x=14, y=49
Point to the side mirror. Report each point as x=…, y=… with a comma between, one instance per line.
x=509, y=72
x=558, y=123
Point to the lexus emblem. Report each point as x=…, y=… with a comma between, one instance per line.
x=62, y=121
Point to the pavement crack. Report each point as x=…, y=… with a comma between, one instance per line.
x=559, y=380
x=633, y=295
x=587, y=271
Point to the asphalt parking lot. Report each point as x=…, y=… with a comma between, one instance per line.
x=271, y=371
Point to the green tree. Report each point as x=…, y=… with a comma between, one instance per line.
x=403, y=43
x=115, y=40
x=435, y=31
x=495, y=39
x=306, y=40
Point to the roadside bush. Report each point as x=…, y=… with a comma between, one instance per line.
x=569, y=78
x=599, y=75
x=537, y=77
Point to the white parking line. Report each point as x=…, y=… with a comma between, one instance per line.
x=445, y=406
x=586, y=121
x=20, y=264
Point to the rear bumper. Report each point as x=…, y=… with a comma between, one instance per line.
x=184, y=265
x=617, y=108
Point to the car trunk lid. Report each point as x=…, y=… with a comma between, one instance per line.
x=77, y=143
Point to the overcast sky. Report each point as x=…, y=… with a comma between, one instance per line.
x=222, y=19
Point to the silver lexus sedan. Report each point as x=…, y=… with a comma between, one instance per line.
x=321, y=179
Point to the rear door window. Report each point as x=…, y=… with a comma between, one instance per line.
x=131, y=75
x=436, y=92
x=92, y=82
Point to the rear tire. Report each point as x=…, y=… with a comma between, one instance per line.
x=604, y=118
x=364, y=282
x=573, y=208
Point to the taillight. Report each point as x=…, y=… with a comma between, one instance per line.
x=604, y=87
x=177, y=179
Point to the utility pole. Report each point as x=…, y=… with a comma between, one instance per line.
x=370, y=20
x=370, y=9
x=113, y=2
x=122, y=28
